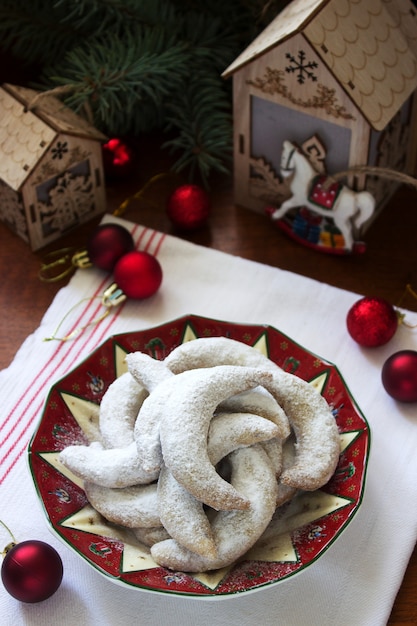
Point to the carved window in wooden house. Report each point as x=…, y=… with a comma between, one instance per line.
x=65, y=200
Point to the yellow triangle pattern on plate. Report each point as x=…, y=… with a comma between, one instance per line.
x=346, y=439
x=120, y=360
x=319, y=382
x=53, y=459
x=304, y=509
x=86, y=414
x=214, y=578
x=276, y=546
x=136, y=558
x=262, y=345
x=276, y=549
x=89, y=520
x=189, y=334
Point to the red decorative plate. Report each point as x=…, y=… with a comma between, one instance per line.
x=312, y=521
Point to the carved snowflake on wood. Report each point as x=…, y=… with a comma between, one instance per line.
x=301, y=67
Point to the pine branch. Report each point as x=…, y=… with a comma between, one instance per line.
x=119, y=78
x=201, y=116
x=35, y=31
x=115, y=14
x=158, y=79
x=214, y=44
x=139, y=64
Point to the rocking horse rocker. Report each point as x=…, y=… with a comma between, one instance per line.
x=327, y=212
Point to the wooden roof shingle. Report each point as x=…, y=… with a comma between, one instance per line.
x=370, y=46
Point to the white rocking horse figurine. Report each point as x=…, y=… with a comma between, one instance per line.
x=346, y=208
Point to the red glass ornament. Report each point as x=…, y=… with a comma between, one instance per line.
x=138, y=274
x=118, y=158
x=399, y=376
x=107, y=244
x=188, y=207
x=32, y=571
x=372, y=321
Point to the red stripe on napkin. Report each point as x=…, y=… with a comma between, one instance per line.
x=73, y=350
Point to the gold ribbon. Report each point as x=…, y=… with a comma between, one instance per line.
x=112, y=297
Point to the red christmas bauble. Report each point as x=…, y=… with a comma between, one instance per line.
x=107, y=244
x=372, y=321
x=138, y=274
x=399, y=376
x=118, y=159
x=32, y=571
x=188, y=207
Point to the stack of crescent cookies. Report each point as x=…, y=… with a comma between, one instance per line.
x=197, y=452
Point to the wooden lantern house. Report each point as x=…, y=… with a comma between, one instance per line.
x=51, y=171
x=337, y=77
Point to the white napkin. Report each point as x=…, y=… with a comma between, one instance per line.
x=356, y=580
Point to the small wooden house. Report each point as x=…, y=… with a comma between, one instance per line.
x=337, y=77
x=51, y=171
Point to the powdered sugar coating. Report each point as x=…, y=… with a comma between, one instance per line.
x=286, y=492
x=235, y=531
x=188, y=410
x=259, y=402
x=149, y=536
x=318, y=447
x=119, y=409
x=318, y=443
x=181, y=513
x=115, y=467
x=183, y=516
x=230, y=431
x=131, y=507
x=213, y=351
x=274, y=449
x=147, y=371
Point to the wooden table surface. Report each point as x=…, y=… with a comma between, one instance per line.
x=389, y=264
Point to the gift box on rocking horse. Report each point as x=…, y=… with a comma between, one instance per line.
x=331, y=237
x=307, y=225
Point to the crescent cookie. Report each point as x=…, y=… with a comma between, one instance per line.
x=259, y=402
x=286, y=492
x=108, y=467
x=131, y=507
x=229, y=431
x=149, y=536
x=234, y=532
x=212, y=351
x=150, y=373
x=146, y=370
x=317, y=435
x=182, y=514
x=274, y=449
x=186, y=412
x=118, y=411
